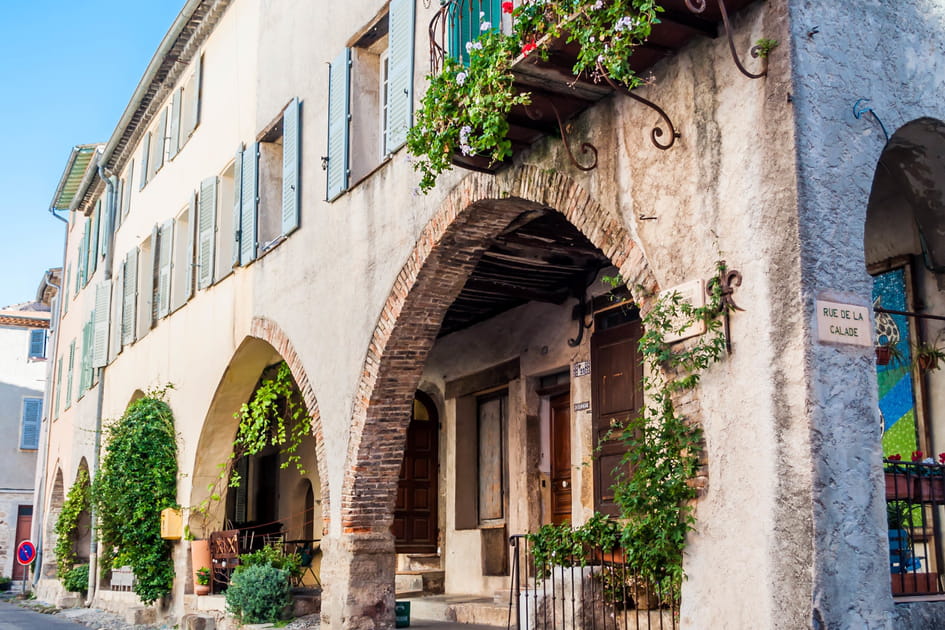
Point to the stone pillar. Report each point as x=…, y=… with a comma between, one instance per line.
x=357, y=575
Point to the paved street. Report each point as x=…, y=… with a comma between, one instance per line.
x=13, y=617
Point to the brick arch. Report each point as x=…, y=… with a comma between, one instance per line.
x=446, y=252
x=269, y=331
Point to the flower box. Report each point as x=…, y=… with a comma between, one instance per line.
x=900, y=485
x=919, y=583
x=929, y=489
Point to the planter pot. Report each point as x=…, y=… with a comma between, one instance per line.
x=930, y=489
x=202, y=589
x=199, y=557
x=883, y=355
x=899, y=486
x=920, y=583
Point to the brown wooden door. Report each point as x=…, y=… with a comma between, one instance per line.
x=560, y=458
x=415, y=514
x=617, y=395
x=24, y=520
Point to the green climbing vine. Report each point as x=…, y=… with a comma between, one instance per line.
x=138, y=478
x=77, y=501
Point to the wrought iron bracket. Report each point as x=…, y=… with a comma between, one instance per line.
x=727, y=283
x=580, y=314
x=657, y=132
x=698, y=6
x=859, y=110
x=535, y=113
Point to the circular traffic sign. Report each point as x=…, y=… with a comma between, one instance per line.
x=25, y=552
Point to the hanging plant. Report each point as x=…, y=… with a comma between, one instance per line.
x=77, y=502
x=466, y=107
x=138, y=478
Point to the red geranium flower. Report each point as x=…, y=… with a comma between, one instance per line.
x=917, y=456
x=941, y=458
x=894, y=458
x=527, y=48
x=507, y=7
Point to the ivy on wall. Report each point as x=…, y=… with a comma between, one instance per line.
x=138, y=478
x=77, y=501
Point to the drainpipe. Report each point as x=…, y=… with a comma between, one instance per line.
x=100, y=396
x=40, y=478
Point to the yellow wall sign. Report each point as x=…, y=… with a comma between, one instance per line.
x=843, y=323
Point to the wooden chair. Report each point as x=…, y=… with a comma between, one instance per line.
x=224, y=557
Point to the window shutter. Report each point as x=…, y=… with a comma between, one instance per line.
x=108, y=219
x=71, y=371
x=117, y=321
x=189, y=275
x=58, y=385
x=291, y=145
x=32, y=415
x=129, y=298
x=339, y=86
x=206, y=228
x=103, y=296
x=145, y=152
x=65, y=295
x=93, y=243
x=174, y=139
x=163, y=258
x=129, y=178
x=198, y=88
x=120, y=199
x=237, y=204
x=158, y=145
x=37, y=343
x=83, y=258
x=249, y=203
x=88, y=336
x=400, y=78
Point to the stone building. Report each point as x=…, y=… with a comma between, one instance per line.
x=464, y=336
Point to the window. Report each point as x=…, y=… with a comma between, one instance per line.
x=158, y=145
x=268, y=183
x=182, y=265
x=163, y=263
x=58, y=384
x=379, y=68
x=65, y=294
x=224, y=242
x=126, y=187
x=69, y=375
x=145, y=286
x=143, y=161
x=129, y=297
x=190, y=103
x=30, y=420
x=37, y=343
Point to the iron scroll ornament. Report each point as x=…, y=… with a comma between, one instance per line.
x=698, y=6
x=727, y=282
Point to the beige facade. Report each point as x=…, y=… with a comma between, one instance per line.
x=206, y=262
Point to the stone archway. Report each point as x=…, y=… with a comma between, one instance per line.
x=267, y=344
x=57, y=497
x=359, y=554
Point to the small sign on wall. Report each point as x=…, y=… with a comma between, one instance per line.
x=582, y=368
x=582, y=406
x=843, y=323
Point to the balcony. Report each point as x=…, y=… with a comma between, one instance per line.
x=915, y=499
x=557, y=95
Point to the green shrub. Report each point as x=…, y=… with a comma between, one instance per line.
x=76, y=579
x=258, y=593
x=273, y=556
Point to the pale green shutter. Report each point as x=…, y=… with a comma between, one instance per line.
x=400, y=73
x=129, y=184
x=237, y=204
x=174, y=139
x=163, y=258
x=339, y=115
x=189, y=274
x=93, y=244
x=32, y=416
x=159, y=142
x=103, y=296
x=111, y=203
x=83, y=258
x=206, y=226
x=129, y=298
x=69, y=376
x=145, y=152
x=118, y=301
x=58, y=385
x=65, y=295
x=198, y=88
x=249, y=203
x=291, y=155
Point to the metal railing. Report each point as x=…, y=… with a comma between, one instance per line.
x=915, y=500
x=456, y=23
x=593, y=590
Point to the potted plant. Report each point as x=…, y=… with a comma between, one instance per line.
x=928, y=356
x=899, y=484
x=202, y=586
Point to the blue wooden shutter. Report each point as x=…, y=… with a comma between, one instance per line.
x=206, y=230
x=465, y=24
x=32, y=415
x=237, y=204
x=37, y=343
x=291, y=155
x=339, y=115
x=145, y=151
x=249, y=203
x=400, y=78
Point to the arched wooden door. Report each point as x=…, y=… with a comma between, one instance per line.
x=415, y=514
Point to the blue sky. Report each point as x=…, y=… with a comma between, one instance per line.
x=68, y=69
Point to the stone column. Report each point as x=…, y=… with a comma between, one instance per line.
x=357, y=575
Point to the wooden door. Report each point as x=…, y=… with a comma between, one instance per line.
x=560, y=458
x=415, y=514
x=617, y=396
x=24, y=520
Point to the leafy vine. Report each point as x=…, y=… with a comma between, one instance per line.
x=138, y=478
x=466, y=106
x=77, y=501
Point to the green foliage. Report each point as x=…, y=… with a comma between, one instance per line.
x=76, y=579
x=560, y=545
x=203, y=576
x=466, y=108
x=138, y=479
x=764, y=46
x=273, y=556
x=77, y=501
x=258, y=594
x=663, y=448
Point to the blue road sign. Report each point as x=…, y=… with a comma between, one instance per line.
x=25, y=552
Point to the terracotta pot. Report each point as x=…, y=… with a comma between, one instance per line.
x=199, y=557
x=883, y=355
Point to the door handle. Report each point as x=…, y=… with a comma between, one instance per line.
x=564, y=484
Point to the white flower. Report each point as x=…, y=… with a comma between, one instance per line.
x=623, y=23
x=461, y=77
x=485, y=26
x=482, y=14
x=599, y=4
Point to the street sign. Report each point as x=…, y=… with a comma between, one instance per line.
x=25, y=552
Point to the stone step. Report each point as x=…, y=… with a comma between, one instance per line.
x=423, y=562
x=419, y=582
x=458, y=609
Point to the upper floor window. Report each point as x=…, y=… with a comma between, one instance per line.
x=37, y=343
x=29, y=426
